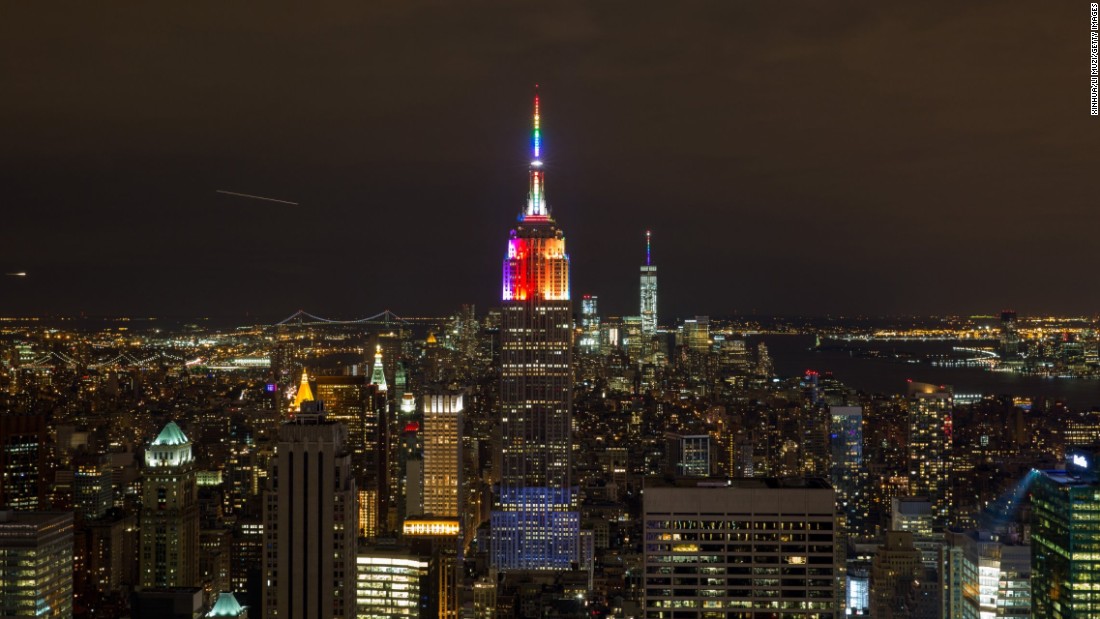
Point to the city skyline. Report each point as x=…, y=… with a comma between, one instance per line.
x=823, y=169
x=865, y=383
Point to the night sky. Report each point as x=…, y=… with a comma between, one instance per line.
x=790, y=157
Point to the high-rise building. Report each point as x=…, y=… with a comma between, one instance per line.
x=648, y=291
x=310, y=521
x=304, y=393
x=915, y=514
x=36, y=564
x=22, y=460
x=485, y=598
x=378, y=370
x=984, y=576
x=1010, y=338
x=388, y=583
x=762, y=547
x=590, y=324
x=534, y=520
x=689, y=455
x=1065, y=531
x=93, y=493
x=695, y=334
x=350, y=400
x=846, y=462
x=930, y=439
x=442, y=430
x=169, y=513
x=897, y=564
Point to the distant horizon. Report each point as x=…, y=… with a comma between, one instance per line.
x=270, y=320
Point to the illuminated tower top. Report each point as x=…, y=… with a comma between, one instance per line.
x=536, y=267
x=171, y=448
x=536, y=196
x=304, y=394
x=378, y=376
x=649, y=289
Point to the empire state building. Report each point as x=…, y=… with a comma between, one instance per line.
x=535, y=525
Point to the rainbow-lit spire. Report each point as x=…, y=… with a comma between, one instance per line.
x=536, y=197
x=648, y=238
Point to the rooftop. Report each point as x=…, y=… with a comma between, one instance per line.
x=171, y=435
x=749, y=483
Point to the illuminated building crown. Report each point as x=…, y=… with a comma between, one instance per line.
x=378, y=375
x=171, y=448
x=536, y=266
x=304, y=394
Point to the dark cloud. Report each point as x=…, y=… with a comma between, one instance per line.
x=796, y=157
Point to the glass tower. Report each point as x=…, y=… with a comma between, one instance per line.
x=846, y=461
x=1065, y=539
x=590, y=324
x=534, y=521
x=649, y=291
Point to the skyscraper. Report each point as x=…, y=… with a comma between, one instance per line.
x=1010, y=338
x=169, y=513
x=930, y=447
x=846, y=461
x=378, y=373
x=36, y=564
x=590, y=324
x=310, y=521
x=347, y=399
x=896, y=565
x=984, y=575
x=534, y=522
x=649, y=291
x=1065, y=529
x=442, y=455
x=22, y=460
x=689, y=455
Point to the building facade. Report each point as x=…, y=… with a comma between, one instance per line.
x=169, y=513
x=1065, y=540
x=36, y=564
x=310, y=523
x=388, y=584
x=442, y=430
x=590, y=324
x=984, y=577
x=22, y=460
x=930, y=440
x=846, y=463
x=740, y=549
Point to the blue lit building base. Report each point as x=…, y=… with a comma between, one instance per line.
x=535, y=529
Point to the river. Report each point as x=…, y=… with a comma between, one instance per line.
x=792, y=356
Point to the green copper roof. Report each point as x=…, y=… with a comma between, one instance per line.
x=226, y=606
x=171, y=435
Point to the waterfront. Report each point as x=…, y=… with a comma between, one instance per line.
x=792, y=355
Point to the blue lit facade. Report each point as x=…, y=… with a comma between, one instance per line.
x=846, y=461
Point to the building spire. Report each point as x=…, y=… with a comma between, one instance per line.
x=648, y=235
x=536, y=197
x=304, y=394
x=378, y=375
